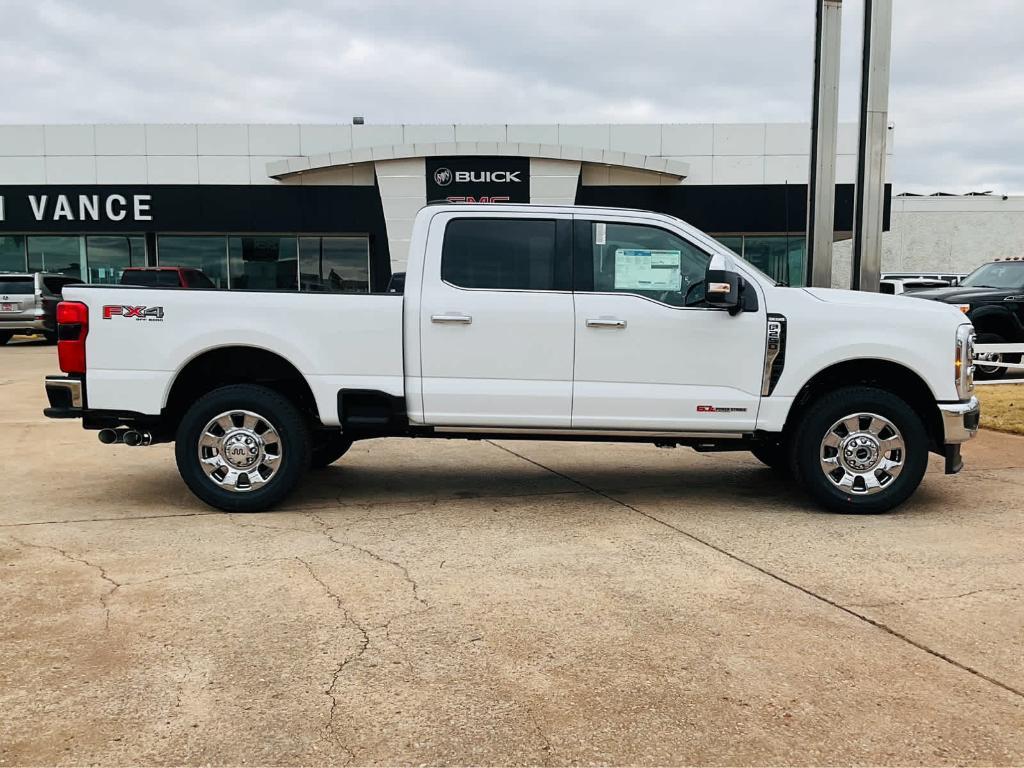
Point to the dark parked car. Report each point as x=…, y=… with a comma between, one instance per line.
x=28, y=303
x=992, y=297
x=166, y=277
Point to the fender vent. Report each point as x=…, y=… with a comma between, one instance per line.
x=774, y=353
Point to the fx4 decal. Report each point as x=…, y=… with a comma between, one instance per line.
x=139, y=313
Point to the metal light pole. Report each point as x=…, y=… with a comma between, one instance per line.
x=869, y=200
x=821, y=187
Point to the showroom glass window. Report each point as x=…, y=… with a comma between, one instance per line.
x=61, y=255
x=781, y=257
x=502, y=254
x=334, y=264
x=108, y=255
x=263, y=263
x=647, y=261
x=205, y=253
x=12, y=253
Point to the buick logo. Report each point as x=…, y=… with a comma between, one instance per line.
x=442, y=177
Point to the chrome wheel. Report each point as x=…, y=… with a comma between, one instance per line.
x=239, y=451
x=862, y=453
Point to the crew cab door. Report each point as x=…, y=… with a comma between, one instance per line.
x=650, y=355
x=496, y=321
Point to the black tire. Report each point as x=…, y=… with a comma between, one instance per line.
x=293, y=447
x=816, y=423
x=328, y=448
x=773, y=454
x=5, y=336
x=992, y=373
x=50, y=336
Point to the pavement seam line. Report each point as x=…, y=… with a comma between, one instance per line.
x=810, y=593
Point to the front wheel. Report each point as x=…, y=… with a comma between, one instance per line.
x=860, y=450
x=242, y=448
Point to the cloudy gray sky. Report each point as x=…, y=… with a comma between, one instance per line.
x=957, y=77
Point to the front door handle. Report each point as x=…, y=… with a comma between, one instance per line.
x=452, y=318
x=605, y=322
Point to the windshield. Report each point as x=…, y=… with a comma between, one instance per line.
x=1008, y=275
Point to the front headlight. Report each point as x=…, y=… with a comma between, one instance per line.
x=964, y=365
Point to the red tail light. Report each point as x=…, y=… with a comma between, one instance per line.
x=72, y=328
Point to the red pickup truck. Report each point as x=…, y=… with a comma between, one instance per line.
x=166, y=277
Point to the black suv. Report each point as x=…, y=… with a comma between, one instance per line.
x=992, y=297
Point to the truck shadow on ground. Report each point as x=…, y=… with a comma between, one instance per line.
x=711, y=487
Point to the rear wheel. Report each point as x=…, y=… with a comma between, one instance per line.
x=5, y=336
x=990, y=372
x=242, y=448
x=860, y=450
x=328, y=448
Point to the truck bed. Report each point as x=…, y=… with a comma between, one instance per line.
x=140, y=337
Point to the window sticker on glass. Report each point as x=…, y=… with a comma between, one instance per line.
x=600, y=233
x=639, y=269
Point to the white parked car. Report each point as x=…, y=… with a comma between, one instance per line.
x=524, y=322
x=897, y=286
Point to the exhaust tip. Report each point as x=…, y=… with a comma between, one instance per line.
x=134, y=438
x=109, y=436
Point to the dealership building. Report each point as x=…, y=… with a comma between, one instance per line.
x=330, y=207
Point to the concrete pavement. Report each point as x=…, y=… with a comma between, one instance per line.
x=499, y=603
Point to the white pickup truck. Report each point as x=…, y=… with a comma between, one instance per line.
x=528, y=322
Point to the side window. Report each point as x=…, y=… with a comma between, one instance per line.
x=504, y=254
x=648, y=261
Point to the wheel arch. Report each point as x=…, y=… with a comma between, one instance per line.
x=884, y=374
x=237, y=364
x=996, y=320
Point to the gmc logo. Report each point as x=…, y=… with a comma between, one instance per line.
x=139, y=313
x=482, y=199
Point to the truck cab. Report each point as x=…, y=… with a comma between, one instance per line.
x=529, y=322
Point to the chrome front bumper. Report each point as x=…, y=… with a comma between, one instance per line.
x=960, y=420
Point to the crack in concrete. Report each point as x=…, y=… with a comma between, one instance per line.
x=326, y=531
x=782, y=579
x=364, y=644
x=935, y=597
x=545, y=741
x=105, y=596
x=216, y=569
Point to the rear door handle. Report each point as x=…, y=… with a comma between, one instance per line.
x=605, y=322
x=451, y=318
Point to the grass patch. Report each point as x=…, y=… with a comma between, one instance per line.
x=1002, y=407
